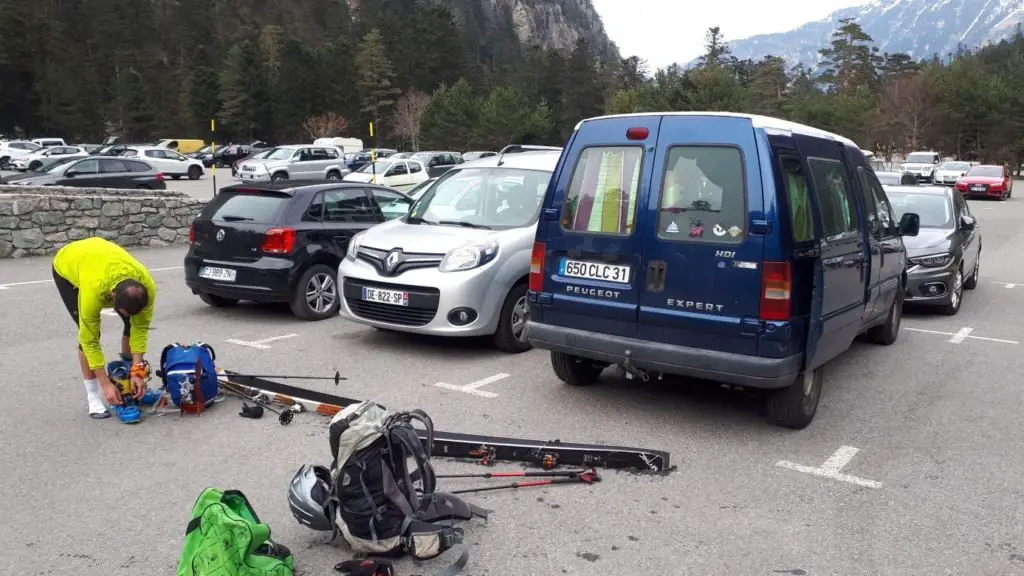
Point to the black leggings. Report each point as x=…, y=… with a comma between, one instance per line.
x=69, y=294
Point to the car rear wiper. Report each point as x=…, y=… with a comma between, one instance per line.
x=236, y=218
x=419, y=220
x=464, y=224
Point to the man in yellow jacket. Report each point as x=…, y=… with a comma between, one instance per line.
x=93, y=274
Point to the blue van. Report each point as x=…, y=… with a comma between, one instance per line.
x=736, y=248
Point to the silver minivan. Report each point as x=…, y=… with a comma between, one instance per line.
x=458, y=263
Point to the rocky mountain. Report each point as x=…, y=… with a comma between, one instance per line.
x=921, y=28
x=548, y=23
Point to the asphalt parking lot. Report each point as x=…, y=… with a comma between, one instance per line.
x=912, y=465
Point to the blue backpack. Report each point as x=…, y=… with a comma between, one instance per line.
x=178, y=367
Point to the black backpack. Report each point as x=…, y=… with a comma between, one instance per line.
x=383, y=490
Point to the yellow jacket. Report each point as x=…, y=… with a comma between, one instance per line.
x=95, y=266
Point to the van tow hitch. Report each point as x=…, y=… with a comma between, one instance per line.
x=629, y=372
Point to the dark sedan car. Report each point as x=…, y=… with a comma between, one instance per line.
x=282, y=242
x=945, y=256
x=98, y=172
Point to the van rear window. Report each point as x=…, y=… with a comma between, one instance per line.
x=254, y=207
x=603, y=192
x=703, y=195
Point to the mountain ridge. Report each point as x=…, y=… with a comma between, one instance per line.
x=921, y=28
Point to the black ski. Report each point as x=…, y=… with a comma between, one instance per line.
x=488, y=449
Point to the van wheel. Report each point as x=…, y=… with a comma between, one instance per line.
x=316, y=294
x=511, y=334
x=574, y=370
x=217, y=301
x=194, y=172
x=887, y=333
x=795, y=406
x=972, y=282
x=956, y=297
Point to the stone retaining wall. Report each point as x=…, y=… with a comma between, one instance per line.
x=38, y=221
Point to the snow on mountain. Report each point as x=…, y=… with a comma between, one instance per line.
x=921, y=28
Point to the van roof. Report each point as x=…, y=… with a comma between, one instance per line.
x=532, y=160
x=766, y=122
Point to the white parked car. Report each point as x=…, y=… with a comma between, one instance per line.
x=948, y=173
x=168, y=161
x=295, y=162
x=38, y=157
x=398, y=174
x=47, y=142
x=15, y=149
x=921, y=164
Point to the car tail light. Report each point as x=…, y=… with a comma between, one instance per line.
x=279, y=241
x=192, y=233
x=638, y=133
x=776, y=288
x=961, y=186
x=537, y=267
x=159, y=176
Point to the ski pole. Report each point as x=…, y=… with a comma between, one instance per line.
x=524, y=473
x=586, y=478
x=336, y=378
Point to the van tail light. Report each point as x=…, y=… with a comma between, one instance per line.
x=192, y=233
x=279, y=241
x=638, y=133
x=776, y=288
x=537, y=267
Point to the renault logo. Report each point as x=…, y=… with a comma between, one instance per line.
x=391, y=260
x=220, y=235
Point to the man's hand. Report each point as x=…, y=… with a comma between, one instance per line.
x=138, y=387
x=110, y=392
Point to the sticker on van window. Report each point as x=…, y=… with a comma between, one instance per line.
x=734, y=231
x=718, y=230
x=672, y=228
x=697, y=232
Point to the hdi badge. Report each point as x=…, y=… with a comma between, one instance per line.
x=734, y=231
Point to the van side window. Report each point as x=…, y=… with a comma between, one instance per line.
x=603, y=192
x=799, y=196
x=887, y=224
x=870, y=209
x=703, y=195
x=838, y=212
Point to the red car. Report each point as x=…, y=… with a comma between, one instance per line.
x=986, y=181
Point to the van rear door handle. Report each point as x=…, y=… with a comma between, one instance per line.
x=655, y=276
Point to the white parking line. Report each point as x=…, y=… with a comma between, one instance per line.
x=1006, y=284
x=260, y=344
x=474, y=387
x=959, y=337
x=832, y=468
x=31, y=282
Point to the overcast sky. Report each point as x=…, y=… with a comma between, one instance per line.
x=667, y=31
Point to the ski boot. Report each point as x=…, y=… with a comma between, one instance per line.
x=127, y=413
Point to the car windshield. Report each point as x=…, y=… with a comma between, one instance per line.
x=935, y=210
x=281, y=153
x=262, y=154
x=378, y=167
x=498, y=198
x=888, y=178
x=203, y=150
x=986, y=171
x=920, y=159
x=53, y=166
x=420, y=188
x=955, y=166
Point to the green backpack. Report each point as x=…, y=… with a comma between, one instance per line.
x=226, y=538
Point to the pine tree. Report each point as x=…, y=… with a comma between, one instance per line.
x=849, y=61
x=204, y=90
x=508, y=117
x=451, y=117
x=716, y=51
x=583, y=94
x=376, y=79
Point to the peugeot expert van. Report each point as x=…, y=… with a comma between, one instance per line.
x=735, y=248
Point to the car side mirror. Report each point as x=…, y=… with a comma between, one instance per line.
x=966, y=223
x=70, y=174
x=910, y=224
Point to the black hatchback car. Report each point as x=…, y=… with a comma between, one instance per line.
x=945, y=256
x=282, y=242
x=95, y=172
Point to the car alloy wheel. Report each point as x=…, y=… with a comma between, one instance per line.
x=520, y=313
x=321, y=292
x=958, y=290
